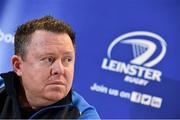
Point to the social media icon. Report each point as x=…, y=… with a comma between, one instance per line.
x=156, y=102
x=135, y=97
x=146, y=99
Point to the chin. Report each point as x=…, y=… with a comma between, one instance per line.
x=56, y=96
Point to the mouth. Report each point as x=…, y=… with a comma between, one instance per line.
x=56, y=82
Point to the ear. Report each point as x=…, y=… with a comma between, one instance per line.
x=17, y=64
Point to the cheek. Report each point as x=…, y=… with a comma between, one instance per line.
x=70, y=72
x=34, y=78
x=69, y=76
x=35, y=70
x=35, y=83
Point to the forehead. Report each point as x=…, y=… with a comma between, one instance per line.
x=45, y=40
x=51, y=37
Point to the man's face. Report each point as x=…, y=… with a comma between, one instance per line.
x=48, y=69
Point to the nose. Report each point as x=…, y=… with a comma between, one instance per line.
x=57, y=68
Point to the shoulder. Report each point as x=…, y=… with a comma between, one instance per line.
x=3, y=94
x=2, y=87
x=87, y=111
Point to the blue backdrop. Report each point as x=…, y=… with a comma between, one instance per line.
x=127, y=60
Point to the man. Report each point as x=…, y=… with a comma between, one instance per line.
x=43, y=68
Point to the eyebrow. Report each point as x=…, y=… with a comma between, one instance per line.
x=51, y=53
x=68, y=52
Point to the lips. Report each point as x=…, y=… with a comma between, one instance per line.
x=56, y=82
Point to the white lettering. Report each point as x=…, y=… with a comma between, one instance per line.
x=6, y=37
x=113, y=92
x=124, y=94
x=133, y=70
x=1, y=35
x=135, y=80
x=99, y=88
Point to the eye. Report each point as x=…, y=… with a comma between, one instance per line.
x=67, y=61
x=50, y=59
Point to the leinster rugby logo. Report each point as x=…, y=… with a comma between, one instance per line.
x=137, y=70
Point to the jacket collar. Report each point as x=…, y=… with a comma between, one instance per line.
x=11, y=81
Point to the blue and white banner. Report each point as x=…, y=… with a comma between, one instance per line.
x=127, y=60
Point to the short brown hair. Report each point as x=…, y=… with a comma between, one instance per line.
x=23, y=33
